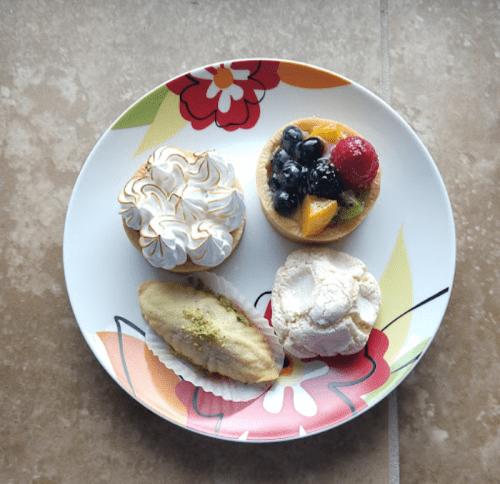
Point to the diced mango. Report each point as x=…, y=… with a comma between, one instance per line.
x=330, y=133
x=316, y=214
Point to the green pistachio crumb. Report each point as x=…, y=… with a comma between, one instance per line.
x=232, y=307
x=201, y=328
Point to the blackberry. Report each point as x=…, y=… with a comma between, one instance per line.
x=290, y=138
x=309, y=150
x=324, y=180
x=284, y=202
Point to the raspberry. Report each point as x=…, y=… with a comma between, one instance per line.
x=357, y=162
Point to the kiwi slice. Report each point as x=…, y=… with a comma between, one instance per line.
x=350, y=206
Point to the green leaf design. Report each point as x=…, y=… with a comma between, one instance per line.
x=144, y=111
x=403, y=361
x=399, y=370
x=167, y=122
x=397, y=297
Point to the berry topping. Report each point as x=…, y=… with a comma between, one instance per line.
x=274, y=182
x=279, y=159
x=309, y=150
x=290, y=138
x=285, y=203
x=302, y=188
x=290, y=176
x=324, y=180
x=357, y=162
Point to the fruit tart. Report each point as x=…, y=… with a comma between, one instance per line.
x=317, y=180
x=183, y=210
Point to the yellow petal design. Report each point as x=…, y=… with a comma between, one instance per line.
x=397, y=298
x=167, y=122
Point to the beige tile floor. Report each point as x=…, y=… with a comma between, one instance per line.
x=68, y=69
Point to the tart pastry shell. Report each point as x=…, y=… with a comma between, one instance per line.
x=289, y=227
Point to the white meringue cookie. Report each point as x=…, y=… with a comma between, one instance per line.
x=324, y=303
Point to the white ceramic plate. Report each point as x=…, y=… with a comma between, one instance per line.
x=407, y=242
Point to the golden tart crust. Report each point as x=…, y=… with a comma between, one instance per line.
x=289, y=227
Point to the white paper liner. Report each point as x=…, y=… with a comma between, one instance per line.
x=221, y=386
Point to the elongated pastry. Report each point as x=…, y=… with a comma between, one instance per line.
x=209, y=330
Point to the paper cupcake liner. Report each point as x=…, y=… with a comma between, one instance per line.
x=219, y=385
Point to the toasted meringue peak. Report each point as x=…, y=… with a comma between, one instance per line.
x=184, y=205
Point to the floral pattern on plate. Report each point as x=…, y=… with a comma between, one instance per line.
x=227, y=95
x=309, y=395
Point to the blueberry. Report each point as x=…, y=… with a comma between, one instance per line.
x=274, y=183
x=290, y=176
x=309, y=151
x=290, y=138
x=284, y=202
x=302, y=188
x=279, y=159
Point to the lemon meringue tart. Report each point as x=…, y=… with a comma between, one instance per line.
x=184, y=210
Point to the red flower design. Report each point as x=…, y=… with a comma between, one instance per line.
x=227, y=95
x=336, y=391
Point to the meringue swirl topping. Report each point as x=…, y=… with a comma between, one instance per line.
x=184, y=205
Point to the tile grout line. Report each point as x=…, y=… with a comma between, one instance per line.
x=394, y=471
x=384, y=41
x=393, y=438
